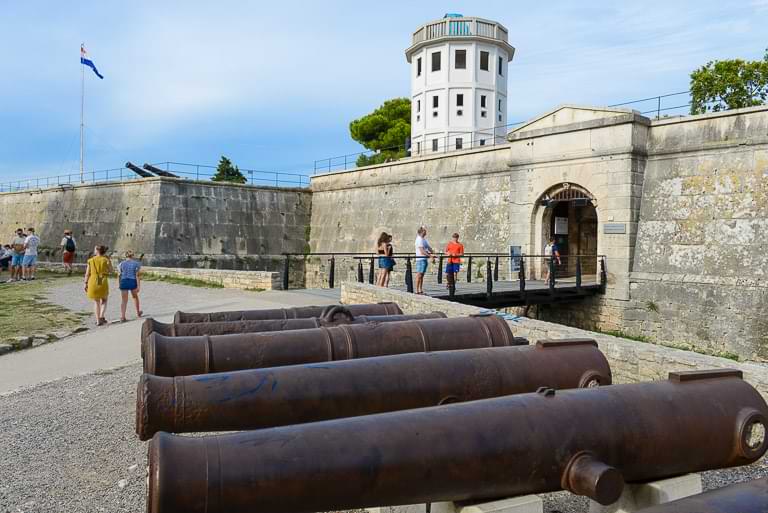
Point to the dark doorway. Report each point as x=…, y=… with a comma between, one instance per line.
x=573, y=224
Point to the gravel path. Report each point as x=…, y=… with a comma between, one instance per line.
x=70, y=446
x=159, y=299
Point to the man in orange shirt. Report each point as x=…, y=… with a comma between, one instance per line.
x=454, y=250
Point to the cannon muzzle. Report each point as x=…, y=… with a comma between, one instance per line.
x=588, y=441
x=279, y=396
x=184, y=356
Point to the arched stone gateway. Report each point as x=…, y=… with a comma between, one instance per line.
x=568, y=213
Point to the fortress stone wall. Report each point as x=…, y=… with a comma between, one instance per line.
x=168, y=222
x=679, y=209
x=689, y=194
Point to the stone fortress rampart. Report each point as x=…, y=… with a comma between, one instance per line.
x=167, y=222
x=680, y=211
x=686, y=200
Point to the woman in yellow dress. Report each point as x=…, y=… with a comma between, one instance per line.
x=96, y=283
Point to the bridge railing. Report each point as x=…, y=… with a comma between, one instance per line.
x=498, y=271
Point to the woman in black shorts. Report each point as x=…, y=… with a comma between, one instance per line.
x=386, y=262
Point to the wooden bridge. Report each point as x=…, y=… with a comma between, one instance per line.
x=565, y=279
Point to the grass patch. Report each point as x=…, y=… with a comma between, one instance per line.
x=652, y=307
x=621, y=334
x=177, y=280
x=254, y=289
x=26, y=312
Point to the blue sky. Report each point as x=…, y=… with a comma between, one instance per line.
x=273, y=85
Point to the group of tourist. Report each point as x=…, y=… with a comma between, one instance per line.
x=20, y=258
x=454, y=250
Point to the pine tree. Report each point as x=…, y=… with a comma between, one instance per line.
x=226, y=172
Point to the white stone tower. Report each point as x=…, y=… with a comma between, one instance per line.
x=458, y=84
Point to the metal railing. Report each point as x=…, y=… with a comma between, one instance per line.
x=673, y=104
x=469, y=140
x=459, y=27
x=660, y=104
x=183, y=170
x=520, y=274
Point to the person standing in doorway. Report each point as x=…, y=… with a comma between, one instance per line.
x=423, y=253
x=30, y=255
x=454, y=250
x=97, y=284
x=551, y=255
x=17, y=255
x=68, y=248
x=386, y=262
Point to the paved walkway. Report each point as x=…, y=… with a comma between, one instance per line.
x=117, y=345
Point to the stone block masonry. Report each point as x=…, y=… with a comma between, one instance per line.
x=168, y=222
x=229, y=279
x=681, y=210
x=630, y=361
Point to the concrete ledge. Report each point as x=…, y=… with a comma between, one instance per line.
x=229, y=279
x=630, y=361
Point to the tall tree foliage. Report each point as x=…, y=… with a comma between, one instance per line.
x=226, y=172
x=729, y=84
x=384, y=131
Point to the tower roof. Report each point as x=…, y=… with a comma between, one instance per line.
x=456, y=27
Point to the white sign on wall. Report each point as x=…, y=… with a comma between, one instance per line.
x=561, y=226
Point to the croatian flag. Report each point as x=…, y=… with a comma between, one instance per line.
x=88, y=62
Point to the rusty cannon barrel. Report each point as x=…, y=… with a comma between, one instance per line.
x=299, y=312
x=184, y=356
x=331, y=318
x=255, y=399
x=587, y=441
x=749, y=497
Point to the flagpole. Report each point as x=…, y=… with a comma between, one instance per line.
x=82, y=112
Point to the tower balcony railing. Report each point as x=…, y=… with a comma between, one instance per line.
x=460, y=27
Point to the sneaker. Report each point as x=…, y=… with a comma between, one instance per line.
x=10, y=281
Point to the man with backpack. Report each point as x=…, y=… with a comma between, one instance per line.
x=68, y=248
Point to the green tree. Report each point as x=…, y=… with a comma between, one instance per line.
x=384, y=131
x=226, y=172
x=729, y=84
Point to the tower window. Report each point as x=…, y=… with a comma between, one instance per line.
x=461, y=59
x=483, y=114
x=501, y=67
x=459, y=100
x=418, y=105
x=418, y=148
x=434, y=144
x=434, y=113
x=435, y=101
x=418, y=67
x=436, y=61
x=482, y=101
x=482, y=142
x=499, y=105
x=484, y=61
x=459, y=143
x=459, y=112
x=499, y=117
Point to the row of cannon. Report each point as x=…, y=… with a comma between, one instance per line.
x=357, y=406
